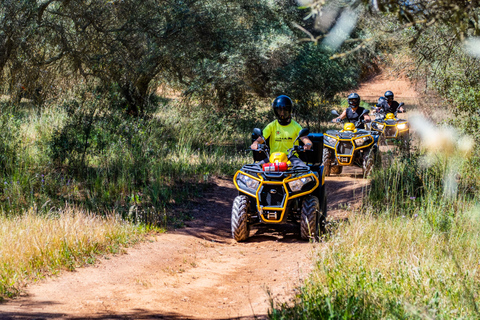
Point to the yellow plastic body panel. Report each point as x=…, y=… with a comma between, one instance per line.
x=355, y=148
x=284, y=183
x=398, y=131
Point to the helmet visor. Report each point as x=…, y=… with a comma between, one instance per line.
x=354, y=102
x=283, y=112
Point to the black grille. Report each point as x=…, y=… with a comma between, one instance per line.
x=345, y=147
x=390, y=131
x=272, y=196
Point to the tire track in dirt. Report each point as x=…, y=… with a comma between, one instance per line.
x=197, y=272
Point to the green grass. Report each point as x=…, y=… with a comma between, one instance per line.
x=394, y=268
x=413, y=252
x=122, y=164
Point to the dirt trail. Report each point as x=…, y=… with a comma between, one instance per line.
x=197, y=272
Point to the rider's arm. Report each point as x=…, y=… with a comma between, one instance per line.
x=342, y=116
x=255, y=143
x=307, y=143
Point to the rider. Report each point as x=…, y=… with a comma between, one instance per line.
x=283, y=131
x=388, y=105
x=354, y=111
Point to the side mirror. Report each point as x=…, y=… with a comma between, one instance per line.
x=366, y=111
x=258, y=132
x=304, y=132
x=335, y=113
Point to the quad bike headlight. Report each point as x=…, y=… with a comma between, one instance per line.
x=296, y=185
x=329, y=141
x=248, y=182
x=361, y=141
x=402, y=126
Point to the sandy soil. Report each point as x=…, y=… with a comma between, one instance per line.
x=197, y=272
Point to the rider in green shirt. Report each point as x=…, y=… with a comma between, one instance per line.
x=283, y=131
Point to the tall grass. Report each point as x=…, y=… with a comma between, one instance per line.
x=33, y=246
x=91, y=155
x=394, y=268
x=413, y=254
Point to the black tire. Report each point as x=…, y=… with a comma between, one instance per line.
x=382, y=141
x=369, y=162
x=327, y=160
x=322, y=216
x=308, y=218
x=240, y=226
x=336, y=169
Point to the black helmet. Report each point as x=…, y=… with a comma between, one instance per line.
x=282, y=106
x=381, y=101
x=353, y=100
x=389, y=95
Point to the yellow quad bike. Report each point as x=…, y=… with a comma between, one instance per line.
x=279, y=193
x=391, y=128
x=350, y=147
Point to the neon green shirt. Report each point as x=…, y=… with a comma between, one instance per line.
x=281, y=137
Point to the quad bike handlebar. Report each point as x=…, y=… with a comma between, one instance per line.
x=357, y=123
x=380, y=112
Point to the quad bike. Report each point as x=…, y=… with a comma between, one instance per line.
x=278, y=192
x=391, y=128
x=350, y=147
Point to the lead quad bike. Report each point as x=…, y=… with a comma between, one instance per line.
x=279, y=193
x=350, y=147
x=392, y=129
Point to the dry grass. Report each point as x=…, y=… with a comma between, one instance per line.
x=394, y=268
x=33, y=246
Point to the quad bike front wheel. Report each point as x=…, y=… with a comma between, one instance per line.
x=336, y=169
x=327, y=163
x=327, y=160
x=308, y=220
x=240, y=226
x=322, y=217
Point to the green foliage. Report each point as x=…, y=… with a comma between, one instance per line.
x=224, y=54
x=9, y=142
x=366, y=273
x=102, y=159
x=408, y=257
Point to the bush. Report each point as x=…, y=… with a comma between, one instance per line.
x=9, y=142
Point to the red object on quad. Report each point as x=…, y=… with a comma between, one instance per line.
x=274, y=167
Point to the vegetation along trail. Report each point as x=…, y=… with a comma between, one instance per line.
x=122, y=124
x=197, y=272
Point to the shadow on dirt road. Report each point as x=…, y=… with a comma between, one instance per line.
x=212, y=213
